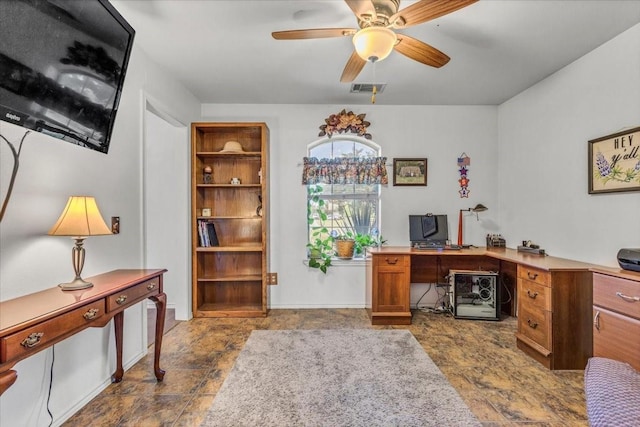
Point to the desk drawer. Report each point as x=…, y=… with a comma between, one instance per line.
x=133, y=294
x=35, y=338
x=536, y=275
x=617, y=294
x=535, y=324
x=392, y=262
x=534, y=294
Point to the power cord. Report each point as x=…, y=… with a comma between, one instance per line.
x=53, y=358
x=422, y=296
x=506, y=289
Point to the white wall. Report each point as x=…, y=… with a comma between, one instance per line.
x=51, y=171
x=543, y=156
x=439, y=133
x=167, y=235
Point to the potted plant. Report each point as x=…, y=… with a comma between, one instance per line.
x=345, y=245
x=320, y=250
x=364, y=241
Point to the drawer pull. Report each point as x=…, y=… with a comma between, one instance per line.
x=532, y=295
x=532, y=324
x=596, y=320
x=391, y=261
x=627, y=297
x=121, y=299
x=32, y=340
x=532, y=276
x=151, y=286
x=91, y=314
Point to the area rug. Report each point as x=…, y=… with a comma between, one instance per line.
x=346, y=377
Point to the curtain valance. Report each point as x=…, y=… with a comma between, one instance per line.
x=348, y=170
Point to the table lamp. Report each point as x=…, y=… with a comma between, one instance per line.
x=478, y=208
x=79, y=219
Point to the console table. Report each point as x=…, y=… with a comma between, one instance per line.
x=553, y=295
x=34, y=322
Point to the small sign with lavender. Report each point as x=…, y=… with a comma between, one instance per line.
x=614, y=162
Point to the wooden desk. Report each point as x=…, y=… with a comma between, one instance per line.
x=553, y=295
x=34, y=322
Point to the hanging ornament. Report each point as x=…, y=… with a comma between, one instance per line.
x=463, y=162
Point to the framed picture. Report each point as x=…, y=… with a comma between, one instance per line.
x=614, y=162
x=409, y=171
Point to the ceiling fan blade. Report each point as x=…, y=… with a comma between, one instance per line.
x=355, y=64
x=317, y=33
x=420, y=51
x=363, y=9
x=426, y=10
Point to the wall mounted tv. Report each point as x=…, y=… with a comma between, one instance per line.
x=62, y=67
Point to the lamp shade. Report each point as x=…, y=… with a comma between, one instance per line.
x=374, y=43
x=80, y=218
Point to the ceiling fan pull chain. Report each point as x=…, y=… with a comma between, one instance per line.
x=375, y=88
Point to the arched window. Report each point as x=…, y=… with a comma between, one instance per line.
x=347, y=203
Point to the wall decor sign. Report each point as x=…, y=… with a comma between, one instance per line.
x=614, y=162
x=409, y=171
x=463, y=162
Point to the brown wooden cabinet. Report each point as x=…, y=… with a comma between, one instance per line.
x=390, y=287
x=553, y=321
x=229, y=211
x=616, y=315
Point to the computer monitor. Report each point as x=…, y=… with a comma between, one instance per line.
x=428, y=230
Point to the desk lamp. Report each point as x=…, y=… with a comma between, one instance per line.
x=478, y=208
x=79, y=219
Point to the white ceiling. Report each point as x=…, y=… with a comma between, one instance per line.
x=223, y=52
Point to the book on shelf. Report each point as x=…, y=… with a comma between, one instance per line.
x=207, y=234
x=211, y=233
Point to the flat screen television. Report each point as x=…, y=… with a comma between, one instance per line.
x=428, y=230
x=62, y=67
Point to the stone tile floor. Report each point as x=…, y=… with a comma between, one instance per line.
x=501, y=385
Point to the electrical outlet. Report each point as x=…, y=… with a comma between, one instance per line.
x=115, y=224
x=272, y=278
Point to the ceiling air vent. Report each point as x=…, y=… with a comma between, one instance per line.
x=367, y=87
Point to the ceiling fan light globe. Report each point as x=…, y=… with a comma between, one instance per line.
x=374, y=43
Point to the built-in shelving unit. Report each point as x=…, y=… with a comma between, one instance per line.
x=230, y=261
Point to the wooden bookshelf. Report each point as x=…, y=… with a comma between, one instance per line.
x=230, y=279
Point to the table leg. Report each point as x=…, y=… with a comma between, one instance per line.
x=118, y=321
x=7, y=379
x=161, y=308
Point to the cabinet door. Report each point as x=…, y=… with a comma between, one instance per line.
x=391, y=283
x=616, y=336
x=391, y=295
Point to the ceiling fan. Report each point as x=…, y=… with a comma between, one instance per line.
x=375, y=39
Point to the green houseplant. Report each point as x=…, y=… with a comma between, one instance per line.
x=320, y=244
x=320, y=250
x=364, y=241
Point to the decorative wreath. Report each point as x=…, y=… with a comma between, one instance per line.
x=344, y=122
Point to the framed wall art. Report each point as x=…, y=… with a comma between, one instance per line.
x=409, y=171
x=614, y=162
